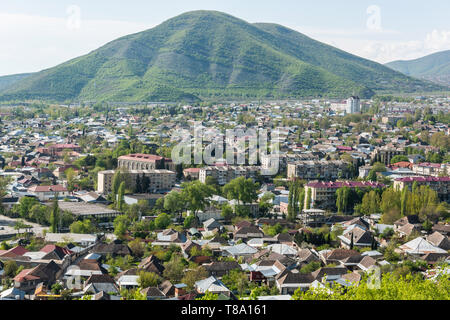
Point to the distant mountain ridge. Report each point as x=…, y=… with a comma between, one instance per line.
x=434, y=67
x=212, y=55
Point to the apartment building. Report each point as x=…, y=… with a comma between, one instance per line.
x=268, y=161
x=353, y=105
x=322, y=170
x=384, y=155
x=392, y=119
x=191, y=173
x=224, y=174
x=431, y=169
x=439, y=184
x=323, y=193
x=160, y=179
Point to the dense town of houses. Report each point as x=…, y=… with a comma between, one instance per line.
x=36, y=155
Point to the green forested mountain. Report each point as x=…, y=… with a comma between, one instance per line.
x=434, y=67
x=211, y=55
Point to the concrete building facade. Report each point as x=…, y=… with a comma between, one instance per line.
x=160, y=179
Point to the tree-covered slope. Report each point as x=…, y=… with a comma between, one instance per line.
x=207, y=54
x=434, y=67
x=8, y=81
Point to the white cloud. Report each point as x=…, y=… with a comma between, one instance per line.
x=380, y=46
x=31, y=43
x=435, y=41
x=438, y=40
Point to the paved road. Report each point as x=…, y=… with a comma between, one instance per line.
x=7, y=226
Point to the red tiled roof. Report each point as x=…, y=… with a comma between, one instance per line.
x=65, y=146
x=13, y=252
x=55, y=188
x=429, y=164
x=25, y=274
x=424, y=179
x=143, y=157
x=350, y=184
x=403, y=164
x=51, y=247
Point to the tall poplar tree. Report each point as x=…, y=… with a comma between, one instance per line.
x=55, y=215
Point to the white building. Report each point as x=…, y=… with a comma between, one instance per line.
x=353, y=105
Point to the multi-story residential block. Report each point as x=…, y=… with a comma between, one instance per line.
x=224, y=174
x=269, y=161
x=392, y=119
x=323, y=193
x=191, y=173
x=439, y=184
x=140, y=161
x=431, y=169
x=353, y=105
x=384, y=155
x=323, y=170
x=159, y=179
x=364, y=171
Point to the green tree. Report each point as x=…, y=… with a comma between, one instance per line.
x=148, y=279
x=162, y=221
x=209, y=296
x=197, y=195
x=116, y=181
x=25, y=205
x=370, y=203
x=390, y=200
x=145, y=183
x=19, y=225
x=391, y=287
x=57, y=288
x=174, y=269
x=308, y=199
x=120, y=196
x=237, y=281
x=372, y=176
x=10, y=268
x=85, y=226
x=121, y=224
x=342, y=199
x=310, y=267
x=70, y=176
x=301, y=198
x=404, y=201
x=54, y=218
x=189, y=222
x=265, y=203
x=293, y=200
x=138, y=185
x=241, y=189
x=194, y=275
x=227, y=212
x=38, y=213
x=174, y=202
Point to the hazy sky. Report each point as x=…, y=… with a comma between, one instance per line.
x=38, y=34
